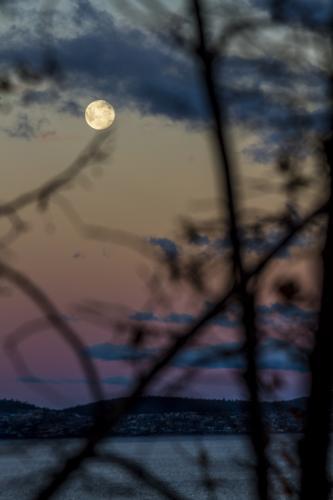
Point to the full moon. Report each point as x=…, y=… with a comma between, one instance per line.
x=99, y=115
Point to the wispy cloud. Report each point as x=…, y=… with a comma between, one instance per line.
x=169, y=247
x=251, y=244
x=183, y=319
x=273, y=315
x=26, y=128
x=272, y=354
x=114, y=380
x=115, y=352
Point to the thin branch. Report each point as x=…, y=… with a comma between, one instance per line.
x=52, y=315
x=43, y=193
x=315, y=482
x=227, y=176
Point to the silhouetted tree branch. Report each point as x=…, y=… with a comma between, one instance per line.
x=209, y=56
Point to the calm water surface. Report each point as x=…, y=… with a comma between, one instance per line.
x=226, y=462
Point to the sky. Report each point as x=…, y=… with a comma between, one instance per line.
x=160, y=169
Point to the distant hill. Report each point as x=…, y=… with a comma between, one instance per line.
x=150, y=416
x=157, y=404
x=14, y=406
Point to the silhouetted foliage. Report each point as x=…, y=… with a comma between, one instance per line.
x=244, y=244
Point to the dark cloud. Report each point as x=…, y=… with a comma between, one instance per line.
x=22, y=129
x=84, y=12
x=280, y=355
x=289, y=312
x=124, y=65
x=169, y=247
x=259, y=245
x=273, y=97
x=263, y=245
x=267, y=315
x=261, y=153
x=31, y=97
x=272, y=354
x=143, y=316
x=117, y=380
x=313, y=13
x=40, y=380
x=158, y=82
x=132, y=68
x=199, y=240
x=114, y=380
x=26, y=128
x=71, y=107
x=183, y=319
x=114, y=352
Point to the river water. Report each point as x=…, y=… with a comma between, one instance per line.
x=197, y=468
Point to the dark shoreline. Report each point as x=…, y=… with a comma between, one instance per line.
x=176, y=416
